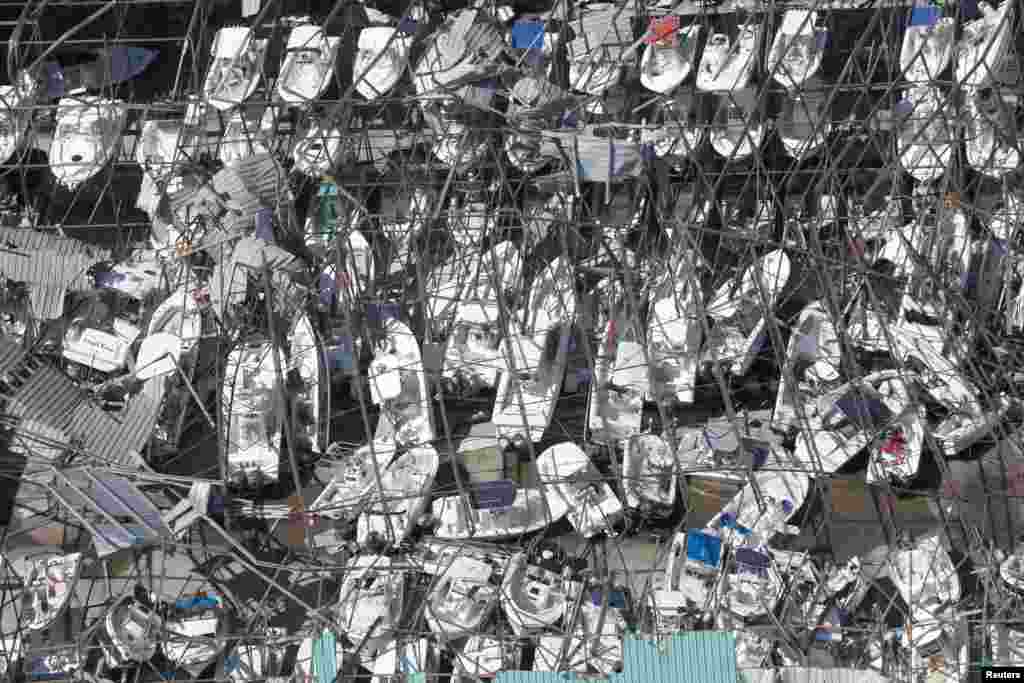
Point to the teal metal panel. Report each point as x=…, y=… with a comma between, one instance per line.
x=701, y=657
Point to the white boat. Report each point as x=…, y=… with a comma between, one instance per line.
x=308, y=64
x=134, y=631
x=241, y=140
x=396, y=507
x=353, y=478
x=927, y=580
x=676, y=130
x=728, y=65
x=483, y=656
x=105, y=350
x=531, y=511
x=526, y=395
x=464, y=49
x=320, y=151
x=737, y=130
x=665, y=65
x=565, y=470
x=193, y=639
x=814, y=348
x=804, y=124
x=398, y=385
x=235, y=68
x=49, y=583
x=796, y=53
x=253, y=420
x=751, y=586
x=1011, y=570
x=174, y=331
x=926, y=138
x=649, y=474
x=984, y=45
x=533, y=597
x=617, y=391
x=371, y=603
x=462, y=600
x=990, y=133
x=306, y=379
x=381, y=59
x=694, y=562
x=593, y=70
x=739, y=333
x=895, y=454
x=744, y=519
x=674, y=333
x=928, y=45
x=14, y=118
x=88, y=136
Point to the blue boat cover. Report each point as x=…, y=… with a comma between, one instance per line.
x=703, y=547
x=528, y=34
x=616, y=599
x=491, y=495
x=925, y=16
x=749, y=559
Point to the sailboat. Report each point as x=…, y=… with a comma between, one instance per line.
x=463, y=598
x=649, y=474
x=694, y=562
x=984, y=45
x=739, y=333
x=308, y=64
x=895, y=454
x=674, y=333
x=616, y=395
x=527, y=394
x=381, y=58
x=133, y=630
x=667, y=63
x=235, y=69
x=567, y=471
x=49, y=584
x=533, y=597
x=192, y=633
x=88, y=136
x=744, y=519
x=926, y=138
x=751, y=586
x=371, y=603
x=398, y=385
x=813, y=348
x=402, y=498
x=241, y=139
x=927, y=580
x=928, y=45
x=728, y=65
x=320, y=151
x=531, y=510
x=353, y=478
x=796, y=53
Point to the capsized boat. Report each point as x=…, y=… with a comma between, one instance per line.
x=371, y=603
x=398, y=385
x=533, y=597
x=926, y=137
x=752, y=585
x=133, y=629
x=674, y=333
x=669, y=61
x=49, y=583
x=87, y=137
x=308, y=64
x=694, y=562
x=527, y=394
x=396, y=507
x=649, y=474
x=984, y=45
x=565, y=470
x=928, y=45
x=462, y=600
x=796, y=53
x=235, y=68
x=531, y=510
x=728, y=65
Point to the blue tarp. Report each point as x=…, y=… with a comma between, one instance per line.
x=703, y=547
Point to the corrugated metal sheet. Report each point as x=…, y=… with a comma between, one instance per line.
x=48, y=273
x=811, y=675
x=702, y=657
x=47, y=396
x=11, y=354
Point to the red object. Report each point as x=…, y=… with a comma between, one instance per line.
x=201, y=296
x=857, y=248
x=612, y=335
x=895, y=448
x=1015, y=477
x=951, y=488
x=888, y=503
x=342, y=279
x=662, y=30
